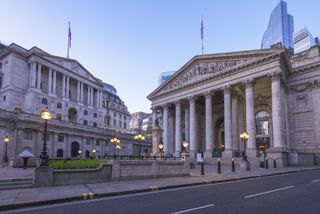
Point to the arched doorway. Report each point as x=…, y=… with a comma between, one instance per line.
x=72, y=114
x=263, y=124
x=75, y=149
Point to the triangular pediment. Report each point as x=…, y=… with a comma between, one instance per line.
x=71, y=65
x=202, y=67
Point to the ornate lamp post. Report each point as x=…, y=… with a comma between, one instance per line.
x=94, y=153
x=116, y=141
x=185, y=146
x=6, y=140
x=244, y=164
x=46, y=116
x=79, y=152
x=139, y=138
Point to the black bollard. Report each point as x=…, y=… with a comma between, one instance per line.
x=233, y=169
x=274, y=163
x=267, y=163
x=219, y=166
x=202, y=168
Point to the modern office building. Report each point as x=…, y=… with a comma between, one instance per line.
x=272, y=95
x=280, y=28
x=165, y=76
x=303, y=40
x=32, y=80
x=117, y=115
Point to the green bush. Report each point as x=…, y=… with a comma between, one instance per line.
x=75, y=164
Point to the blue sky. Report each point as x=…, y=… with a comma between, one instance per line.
x=128, y=43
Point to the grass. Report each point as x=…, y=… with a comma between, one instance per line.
x=75, y=164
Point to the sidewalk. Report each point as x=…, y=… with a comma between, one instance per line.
x=11, y=199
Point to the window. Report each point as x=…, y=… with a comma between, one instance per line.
x=88, y=141
x=114, y=122
x=58, y=116
x=1, y=81
x=98, y=142
x=59, y=105
x=95, y=115
x=120, y=116
x=262, y=114
x=4, y=98
x=59, y=153
x=120, y=124
x=124, y=125
x=85, y=112
x=85, y=122
x=60, y=138
x=114, y=114
x=125, y=117
x=44, y=101
x=27, y=135
x=94, y=124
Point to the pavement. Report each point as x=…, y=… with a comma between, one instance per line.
x=18, y=198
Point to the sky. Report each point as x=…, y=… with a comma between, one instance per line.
x=128, y=43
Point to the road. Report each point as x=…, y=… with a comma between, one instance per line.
x=288, y=193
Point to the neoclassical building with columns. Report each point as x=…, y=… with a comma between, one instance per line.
x=30, y=81
x=272, y=95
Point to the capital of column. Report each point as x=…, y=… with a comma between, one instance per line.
x=275, y=76
x=227, y=89
x=192, y=98
x=208, y=94
x=249, y=83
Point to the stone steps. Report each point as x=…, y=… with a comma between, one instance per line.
x=15, y=183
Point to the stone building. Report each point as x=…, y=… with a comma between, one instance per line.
x=30, y=81
x=272, y=95
x=117, y=114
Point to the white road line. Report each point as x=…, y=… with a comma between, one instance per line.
x=315, y=181
x=262, y=193
x=192, y=209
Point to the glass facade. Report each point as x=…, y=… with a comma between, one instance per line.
x=303, y=41
x=165, y=76
x=280, y=28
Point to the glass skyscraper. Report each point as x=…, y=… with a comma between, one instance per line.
x=280, y=28
x=303, y=40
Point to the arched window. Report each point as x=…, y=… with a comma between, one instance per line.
x=59, y=153
x=262, y=114
x=59, y=105
x=44, y=101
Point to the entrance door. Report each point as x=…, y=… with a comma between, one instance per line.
x=75, y=149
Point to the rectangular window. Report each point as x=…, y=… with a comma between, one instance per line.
x=58, y=116
x=60, y=138
x=114, y=122
x=27, y=135
x=4, y=98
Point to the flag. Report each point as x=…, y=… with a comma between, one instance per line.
x=69, y=37
x=201, y=29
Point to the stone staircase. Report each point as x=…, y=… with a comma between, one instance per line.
x=15, y=183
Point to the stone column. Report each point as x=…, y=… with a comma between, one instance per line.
x=88, y=98
x=54, y=82
x=91, y=96
x=178, y=128
x=63, y=85
x=55, y=142
x=277, y=115
x=227, y=123
x=68, y=88
x=50, y=81
x=209, y=129
x=250, y=120
x=187, y=125
x=193, y=127
x=101, y=99
x=39, y=76
x=235, y=122
x=97, y=99
x=165, y=129
x=81, y=92
x=32, y=79
x=78, y=91
x=154, y=117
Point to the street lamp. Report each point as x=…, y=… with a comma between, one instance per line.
x=6, y=140
x=139, y=138
x=94, y=153
x=116, y=141
x=244, y=136
x=46, y=116
x=185, y=145
x=79, y=152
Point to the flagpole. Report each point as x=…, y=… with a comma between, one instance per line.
x=202, y=49
x=68, y=41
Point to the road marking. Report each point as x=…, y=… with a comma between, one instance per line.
x=262, y=193
x=192, y=209
x=315, y=181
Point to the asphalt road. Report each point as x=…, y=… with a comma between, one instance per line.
x=289, y=193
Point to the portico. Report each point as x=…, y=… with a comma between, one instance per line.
x=212, y=98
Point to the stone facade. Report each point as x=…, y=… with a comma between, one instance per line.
x=270, y=94
x=30, y=81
